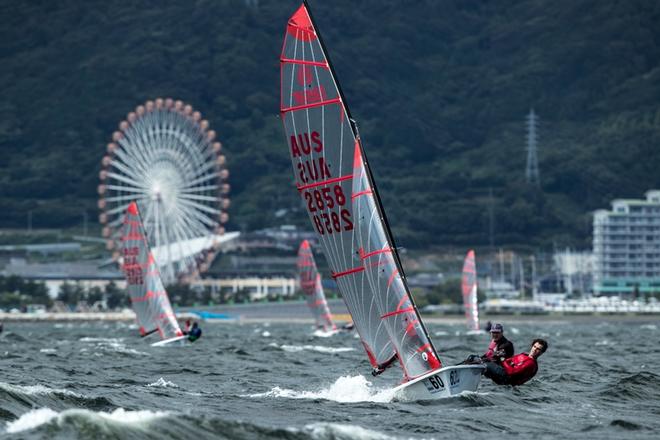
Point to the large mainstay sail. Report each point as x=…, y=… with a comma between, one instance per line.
x=310, y=283
x=324, y=149
x=469, y=287
x=148, y=296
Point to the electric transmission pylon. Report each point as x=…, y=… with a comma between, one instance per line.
x=532, y=169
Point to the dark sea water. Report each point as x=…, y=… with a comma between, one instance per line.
x=599, y=379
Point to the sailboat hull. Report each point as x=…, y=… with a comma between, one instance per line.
x=445, y=382
x=177, y=340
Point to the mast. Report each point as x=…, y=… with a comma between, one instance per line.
x=379, y=204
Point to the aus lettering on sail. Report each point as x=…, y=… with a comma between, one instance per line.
x=132, y=268
x=325, y=202
x=311, y=167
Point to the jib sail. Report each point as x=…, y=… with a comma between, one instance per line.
x=395, y=304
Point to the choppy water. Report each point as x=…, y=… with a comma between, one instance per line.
x=599, y=379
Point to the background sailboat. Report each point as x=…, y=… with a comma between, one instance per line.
x=148, y=296
x=334, y=179
x=310, y=284
x=469, y=290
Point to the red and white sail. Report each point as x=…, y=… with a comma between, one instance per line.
x=310, y=284
x=321, y=141
x=469, y=288
x=148, y=296
x=324, y=145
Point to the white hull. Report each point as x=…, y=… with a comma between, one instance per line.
x=438, y=384
x=319, y=333
x=177, y=340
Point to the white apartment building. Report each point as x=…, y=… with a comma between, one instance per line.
x=627, y=246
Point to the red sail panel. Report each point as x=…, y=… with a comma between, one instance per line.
x=393, y=298
x=469, y=288
x=310, y=284
x=148, y=296
x=320, y=140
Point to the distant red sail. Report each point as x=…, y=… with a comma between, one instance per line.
x=149, y=299
x=310, y=284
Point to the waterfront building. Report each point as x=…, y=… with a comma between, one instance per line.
x=626, y=245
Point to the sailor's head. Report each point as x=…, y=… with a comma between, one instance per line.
x=539, y=346
x=496, y=331
x=195, y=325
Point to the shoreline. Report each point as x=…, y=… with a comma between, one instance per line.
x=238, y=318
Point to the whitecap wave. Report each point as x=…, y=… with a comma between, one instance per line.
x=318, y=348
x=340, y=432
x=163, y=383
x=120, y=416
x=36, y=390
x=31, y=420
x=345, y=389
x=47, y=350
x=103, y=340
x=265, y=334
x=113, y=344
x=649, y=327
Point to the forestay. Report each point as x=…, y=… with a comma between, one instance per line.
x=148, y=296
x=469, y=287
x=310, y=284
x=395, y=304
x=321, y=140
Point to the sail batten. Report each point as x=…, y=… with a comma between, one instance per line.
x=148, y=297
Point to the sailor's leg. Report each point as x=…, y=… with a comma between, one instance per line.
x=496, y=373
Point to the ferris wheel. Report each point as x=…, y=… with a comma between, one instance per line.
x=165, y=157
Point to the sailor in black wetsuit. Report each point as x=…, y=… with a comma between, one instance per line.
x=195, y=333
x=382, y=367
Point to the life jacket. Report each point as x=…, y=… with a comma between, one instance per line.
x=520, y=368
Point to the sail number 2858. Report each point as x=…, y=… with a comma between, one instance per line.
x=325, y=199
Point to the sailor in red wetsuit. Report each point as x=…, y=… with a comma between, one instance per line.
x=517, y=369
x=500, y=348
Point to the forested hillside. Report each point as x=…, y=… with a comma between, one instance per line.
x=440, y=90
